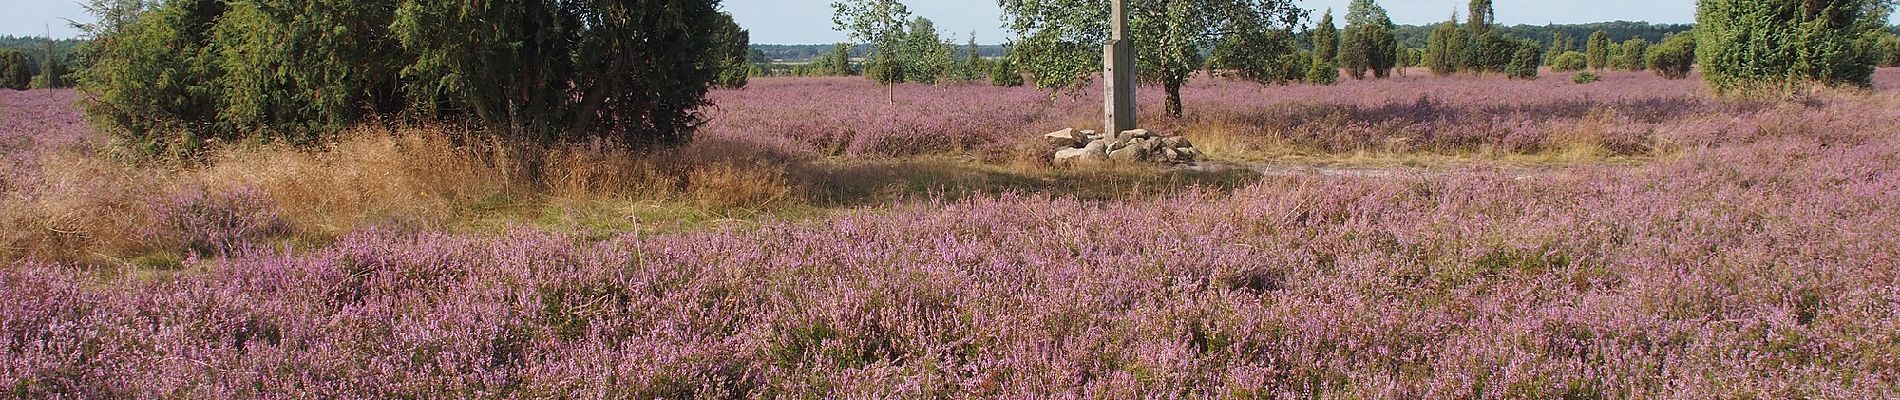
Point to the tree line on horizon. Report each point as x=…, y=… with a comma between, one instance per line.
x=35, y=62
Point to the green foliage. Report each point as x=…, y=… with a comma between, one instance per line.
x=1322, y=72
x=923, y=55
x=1061, y=41
x=835, y=63
x=1443, y=51
x=1889, y=48
x=1524, y=64
x=1559, y=44
x=1575, y=34
x=173, y=75
x=48, y=61
x=732, y=54
x=16, y=71
x=882, y=24
x=1585, y=77
x=1633, y=55
x=1570, y=61
x=1326, y=39
x=885, y=68
x=567, y=70
x=1490, y=53
x=1004, y=72
x=1598, y=51
x=53, y=74
x=1749, y=46
x=1259, y=54
x=154, y=72
x=1482, y=17
x=971, y=66
x=1368, y=43
x=1673, y=58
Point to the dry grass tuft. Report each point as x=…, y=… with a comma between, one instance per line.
x=84, y=207
x=369, y=178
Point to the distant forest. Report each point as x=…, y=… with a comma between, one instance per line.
x=1412, y=36
x=35, y=48
x=798, y=53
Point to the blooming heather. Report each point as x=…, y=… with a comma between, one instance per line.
x=32, y=122
x=1758, y=264
x=852, y=117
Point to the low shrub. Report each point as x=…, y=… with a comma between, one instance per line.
x=1524, y=63
x=1570, y=61
x=1673, y=57
x=1586, y=77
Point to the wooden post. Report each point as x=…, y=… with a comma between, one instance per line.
x=1118, y=75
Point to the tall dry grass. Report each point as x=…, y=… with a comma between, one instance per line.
x=94, y=209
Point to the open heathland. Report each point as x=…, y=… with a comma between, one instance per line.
x=1417, y=237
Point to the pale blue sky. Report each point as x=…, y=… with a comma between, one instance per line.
x=809, y=21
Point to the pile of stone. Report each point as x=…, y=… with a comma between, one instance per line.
x=1139, y=145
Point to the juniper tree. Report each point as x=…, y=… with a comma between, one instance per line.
x=1442, y=48
x=1368, y=43
x=841, y=60
x=1524, y=62
x=1323, y=64
x=1482, y=17
x=1558, y=45
x=1634, y=55
x=1598, y=50
x=16, y=71
x=1674, y=57
x=923, y=56
x=169, y=75
x=1751, y=45
x=1326, y=39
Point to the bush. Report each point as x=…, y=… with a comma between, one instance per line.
x=1585, y=77
x=16, y=72
x=181, y=72
x=1004, y=73
x=1673, y=58
x=1322, y=72
x=1570, y=61
x=1889, y=45
x=1260, y=55
x=1633, y=56
x=1747, y=46
x=1524, y=63
x=1598, y=50
x=1491, y=52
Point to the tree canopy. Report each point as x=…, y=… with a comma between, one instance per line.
x=1060, y=43
x=1750, y=45
x=1368, y=43
x=172, y=74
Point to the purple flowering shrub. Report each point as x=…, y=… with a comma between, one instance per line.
x=208, y=223
x=1760, y=270
x=1756, y=262
x=1628, y=114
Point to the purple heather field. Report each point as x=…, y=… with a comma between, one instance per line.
x=1749, y=252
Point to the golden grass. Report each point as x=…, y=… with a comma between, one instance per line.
x=86, y=207
x=97, y=210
